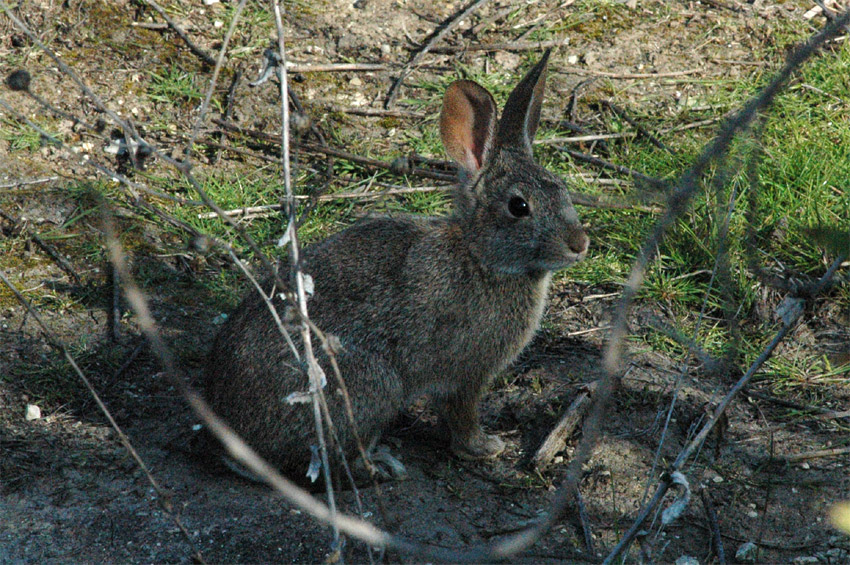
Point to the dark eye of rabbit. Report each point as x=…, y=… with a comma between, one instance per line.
x=518, y=207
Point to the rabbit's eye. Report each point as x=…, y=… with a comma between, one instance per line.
x=518, y=207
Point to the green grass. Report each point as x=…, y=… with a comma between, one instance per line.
x=21, y=137
x=800, y=182
x=174, y=86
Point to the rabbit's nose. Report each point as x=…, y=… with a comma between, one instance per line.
x=578, y=241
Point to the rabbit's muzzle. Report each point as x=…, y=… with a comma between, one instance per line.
x=558, y=251
x=578, y=242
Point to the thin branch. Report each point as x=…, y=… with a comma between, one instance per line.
x=314, y=372
x=374, y=112
x=336, y=67
x=714, y=527
x=672, y=74
x=27, y=182
x=398, y=166
x=214, y=79
x=203, y=55
x=436, y=36
x=794, y=458
x=641, y=130
x=506, y=46
x=578, y=155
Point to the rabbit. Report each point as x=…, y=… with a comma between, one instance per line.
x=420, y=305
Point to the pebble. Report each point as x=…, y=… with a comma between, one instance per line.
x=33, y=412
x=746, y=553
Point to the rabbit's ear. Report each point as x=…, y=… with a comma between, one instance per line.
x=467, y=123
x=522, y=110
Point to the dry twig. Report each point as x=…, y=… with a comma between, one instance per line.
x=714, y=527
x=506, y=46
x=438, y=34
x=557, y=438
x=200, y=53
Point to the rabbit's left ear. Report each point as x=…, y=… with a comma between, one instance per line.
x=522, y=110
x=467, y=123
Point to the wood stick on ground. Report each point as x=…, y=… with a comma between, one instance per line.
x=822, y=412
x=557, y=438
x=61, y=262
x=714, y=527
x=115, y=306
x=567, y=70
x=436, y=36
x=641, y=130
x=584, y=138
x=200, y=53
x=336, y=68
x=506, y=46
x=228, y=109
x=20, y=227
x=25, y=182
x=794, y=458
x=379, y=112
x=584, y=522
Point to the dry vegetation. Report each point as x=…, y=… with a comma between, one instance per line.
x=748, y=284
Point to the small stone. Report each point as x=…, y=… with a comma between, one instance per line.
x=572, y=59
x=355, y=82
x=507, y=60
x=385, y=49
x=33, y=412
x=747, y=552
x=687, y=560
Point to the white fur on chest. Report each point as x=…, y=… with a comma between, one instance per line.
x=540, y=295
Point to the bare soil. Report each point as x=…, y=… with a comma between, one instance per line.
x=70, y=492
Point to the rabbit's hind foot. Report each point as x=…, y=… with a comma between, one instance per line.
x=479, y=446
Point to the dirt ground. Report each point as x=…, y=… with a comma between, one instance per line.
x=71, y=493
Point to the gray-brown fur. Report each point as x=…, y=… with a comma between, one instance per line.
x=420, y=305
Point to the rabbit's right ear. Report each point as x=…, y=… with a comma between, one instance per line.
x=467, y=123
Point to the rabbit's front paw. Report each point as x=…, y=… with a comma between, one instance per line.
x=478, y=446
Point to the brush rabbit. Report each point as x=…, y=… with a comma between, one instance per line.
x=435, y=305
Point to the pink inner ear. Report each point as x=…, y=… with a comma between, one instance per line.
x=473, y=162
x=466, y=123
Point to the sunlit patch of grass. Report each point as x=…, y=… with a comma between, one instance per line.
x=174, y=86
x=21, y=137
